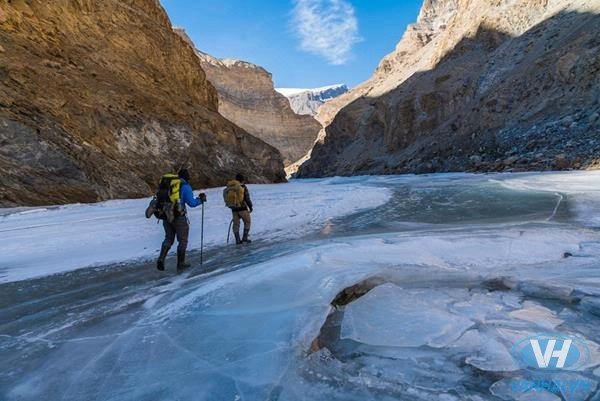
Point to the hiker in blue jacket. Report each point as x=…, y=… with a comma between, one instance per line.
x=180, y=227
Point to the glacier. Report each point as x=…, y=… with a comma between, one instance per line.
x=448, y=272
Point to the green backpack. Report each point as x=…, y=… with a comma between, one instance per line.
x=165, y=205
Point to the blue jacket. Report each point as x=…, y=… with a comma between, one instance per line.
x=186, y=196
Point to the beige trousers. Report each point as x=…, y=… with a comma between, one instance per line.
x=245, y=216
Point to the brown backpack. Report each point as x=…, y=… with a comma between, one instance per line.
x=233, y=195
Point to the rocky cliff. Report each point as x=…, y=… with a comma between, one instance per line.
x=308, y=101
x=247, y=97
x=474, y=85
x=99, y=98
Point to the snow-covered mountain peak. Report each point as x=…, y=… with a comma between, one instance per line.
x=308, y=101
x=314, y=91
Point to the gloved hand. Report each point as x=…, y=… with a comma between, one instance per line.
x=250, y=210
x=202, y=197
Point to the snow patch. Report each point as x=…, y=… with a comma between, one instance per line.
x=66, y=238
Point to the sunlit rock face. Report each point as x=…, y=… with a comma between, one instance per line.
x=474, y=85
x=98, y=100
x=247, y=97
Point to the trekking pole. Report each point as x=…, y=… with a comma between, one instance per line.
x=202, y=236
x=229, y=231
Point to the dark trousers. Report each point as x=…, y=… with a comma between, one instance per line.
x=179, y=228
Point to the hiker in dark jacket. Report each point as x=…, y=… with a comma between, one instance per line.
x=180, y=227
x=243, y=213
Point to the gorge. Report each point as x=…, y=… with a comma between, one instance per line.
x=474, y=86
x=247, y=97
x=87, y=114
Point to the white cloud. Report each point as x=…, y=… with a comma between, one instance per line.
x=327, y=28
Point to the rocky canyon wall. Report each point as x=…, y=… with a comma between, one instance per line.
x=248, y=98
x=474, y=85
x=99, y=98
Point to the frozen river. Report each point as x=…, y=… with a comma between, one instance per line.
x=380, y=288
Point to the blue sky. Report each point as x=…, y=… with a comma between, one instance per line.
x=303, y=43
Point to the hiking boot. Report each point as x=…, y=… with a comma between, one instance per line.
x=181, y=263
x=245, y=237
x=160, y=263
x=237, y=238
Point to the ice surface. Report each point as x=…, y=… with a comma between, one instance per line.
x=243, y=331
x=582, y=182
x=392, y=316
x=574, y=387
x=509, y=389
x=582, y=188
x=484, y=352
x=410, y=367
x=37, y=242
x=512, y=300
x=537, y=314
x=481, y=306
